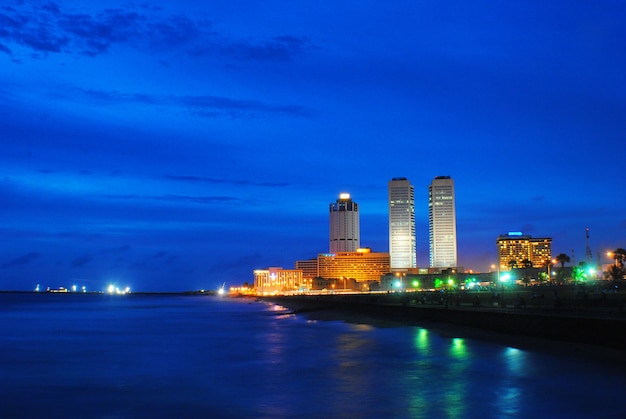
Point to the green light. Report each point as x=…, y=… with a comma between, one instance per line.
x=416, y=284
x=438, y=282
x=458, y=349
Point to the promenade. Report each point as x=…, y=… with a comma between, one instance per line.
x=559, y=313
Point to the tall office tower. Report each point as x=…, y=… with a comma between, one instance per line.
x=401, y=225
x=345, y=235
x=442, y=223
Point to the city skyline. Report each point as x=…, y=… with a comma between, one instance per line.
x=178, y=145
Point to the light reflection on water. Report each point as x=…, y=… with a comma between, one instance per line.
x=199, y=357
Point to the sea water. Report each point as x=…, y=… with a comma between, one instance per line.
x=173, y=356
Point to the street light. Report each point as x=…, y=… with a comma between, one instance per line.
x=498, y=277
x=400, y=277
x=504, y=278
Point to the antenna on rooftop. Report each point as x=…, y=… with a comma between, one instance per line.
x=588, y=254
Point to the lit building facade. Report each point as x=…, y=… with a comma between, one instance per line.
x=401, y=225
x=362, y=265
x=517, y=247
x=344, y=225
x=442, y=223
x=308, y=268
x=277, y=280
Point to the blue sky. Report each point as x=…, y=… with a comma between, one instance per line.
x=180, y=145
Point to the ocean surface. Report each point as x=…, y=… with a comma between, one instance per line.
x=168, y=356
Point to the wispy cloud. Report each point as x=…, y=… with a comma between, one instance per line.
x=201, y=105
x=176, y=198
x=21, y=260
x=222, y=181
x=280, y=48
x=81, y=261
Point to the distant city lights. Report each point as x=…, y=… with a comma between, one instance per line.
x=112, y=289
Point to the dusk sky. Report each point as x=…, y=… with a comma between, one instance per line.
x=177, y=145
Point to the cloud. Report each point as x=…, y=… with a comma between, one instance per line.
x=201, y=179
x=93, y=35
x=81, y=261
x=116, y=250
x=21, y=260
x=176, y=198
x=201, y=105
x=50, y=29
x=280, y=48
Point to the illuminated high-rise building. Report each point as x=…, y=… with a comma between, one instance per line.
x=401, y=225
x=344, y=225
x=514, y=248
x=442, y=223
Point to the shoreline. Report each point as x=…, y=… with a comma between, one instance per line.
x=520, y=326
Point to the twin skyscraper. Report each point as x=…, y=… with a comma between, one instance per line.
x=345, y=230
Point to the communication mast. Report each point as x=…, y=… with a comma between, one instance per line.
x=588, y=254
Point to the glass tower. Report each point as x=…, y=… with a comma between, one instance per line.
x=401, y=225
x=442, y=223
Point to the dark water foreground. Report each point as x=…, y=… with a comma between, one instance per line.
x=98, y=356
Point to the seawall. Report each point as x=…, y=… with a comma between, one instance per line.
x=606, y=329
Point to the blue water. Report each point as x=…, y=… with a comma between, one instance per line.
x=133, y=356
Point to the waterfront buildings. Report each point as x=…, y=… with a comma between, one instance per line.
x=362, y=265
x=442, y=223
x=514, y=248
x=401, y=225
x=275, y=279
x=308, y=267
x=344, y=225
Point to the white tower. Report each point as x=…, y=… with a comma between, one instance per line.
x=345, y=235
x=442, y=223
x=401, y=225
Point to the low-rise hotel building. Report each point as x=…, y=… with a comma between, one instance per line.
x=276, y=280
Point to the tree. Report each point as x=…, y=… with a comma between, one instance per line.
x=579, y=273
x=562, y=258
x=512, y=264
x=615, y=273
x=620, y=256
x=548, y=265
x=526, y=264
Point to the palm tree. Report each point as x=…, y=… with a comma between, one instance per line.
x=512, y=264
x=548, y=264
x=562, y=258
x=526, y=264
x=615, y=273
